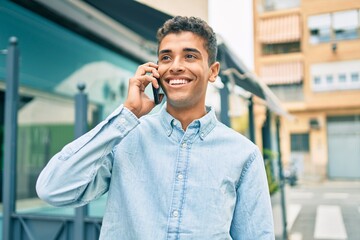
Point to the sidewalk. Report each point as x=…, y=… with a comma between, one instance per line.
x=291, y=210
x=309, y=210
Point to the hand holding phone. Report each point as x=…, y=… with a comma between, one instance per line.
x=158, y=93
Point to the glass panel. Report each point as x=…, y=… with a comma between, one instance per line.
x=272, y=5
x=45, y=125
x=239, y=114
x=67, y=57
x=342, y=78
x=329, y=79
x=345, y=19
x=319, y=21
x=97, y=207
x=281, y=48
x=355, y=77
x=46, y=122
x=320, y=28
x=346, y=25
x=289, y=92
x=317, y=80
x=300, y=142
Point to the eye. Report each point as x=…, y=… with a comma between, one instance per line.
x=191, y=56
x=164, y=58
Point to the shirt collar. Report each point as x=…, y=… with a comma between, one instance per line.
x=206, y=123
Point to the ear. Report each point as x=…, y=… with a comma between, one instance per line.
x=214, y=71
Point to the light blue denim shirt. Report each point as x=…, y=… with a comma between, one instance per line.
x=207, y=182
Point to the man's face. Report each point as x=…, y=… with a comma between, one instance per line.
x=184, y=70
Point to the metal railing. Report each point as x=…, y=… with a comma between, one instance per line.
x=26, y=226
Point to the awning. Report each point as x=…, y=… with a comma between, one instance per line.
x=130, y=26
x=134, y=15
x=235, y=70
x=282, y=73
x=280, y=29
x=126, y=27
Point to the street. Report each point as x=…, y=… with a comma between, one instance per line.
x=327, y=211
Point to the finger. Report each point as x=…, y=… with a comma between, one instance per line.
x=143, y=81
x=147, y=68
x=155, y=73
x=148, y=79
x=151, y=64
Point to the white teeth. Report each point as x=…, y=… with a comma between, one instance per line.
x=177, y=81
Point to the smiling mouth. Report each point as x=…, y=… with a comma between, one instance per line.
x=178, y=82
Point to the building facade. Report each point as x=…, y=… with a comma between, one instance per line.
x=308, y=53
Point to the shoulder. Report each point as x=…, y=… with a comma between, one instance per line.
x=150, y=119
x=152, y=124
x=225, y=133
x=232, y=143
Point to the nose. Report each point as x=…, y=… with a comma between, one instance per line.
x=177, y=66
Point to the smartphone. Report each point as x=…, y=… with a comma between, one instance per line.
x=158, y=93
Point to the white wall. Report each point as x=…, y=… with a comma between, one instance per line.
x=233, y=20
x=197, y=8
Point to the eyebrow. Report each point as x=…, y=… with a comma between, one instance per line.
x=184, y=49
x=164, y=51
x=191, y=50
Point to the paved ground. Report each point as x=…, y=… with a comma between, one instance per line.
x=329, y=211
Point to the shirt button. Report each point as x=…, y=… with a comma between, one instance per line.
x=122, y=120
x=184, y=145
x=202, y=134
x=175, y=213
x=180, y=176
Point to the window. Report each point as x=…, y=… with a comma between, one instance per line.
x=281, y=48
x=355, y=77
x=335, y=76
x=328, y=27
x=281, y=34
x=320, y=28
x=346, y=25
x=317, y=80
x=288, y=92
x=300, y=142
x=329, y=79
x=342, y=78
x=273, y=5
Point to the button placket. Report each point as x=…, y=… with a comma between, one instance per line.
x=179, y=186
x=180, y=181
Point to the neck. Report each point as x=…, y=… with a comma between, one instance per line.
x=186, y=115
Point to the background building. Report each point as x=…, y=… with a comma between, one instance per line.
x=308, y=53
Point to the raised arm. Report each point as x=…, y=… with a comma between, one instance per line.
x=81, y=171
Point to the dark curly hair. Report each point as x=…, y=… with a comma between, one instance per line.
x=191, y=24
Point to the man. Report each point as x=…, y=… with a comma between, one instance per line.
x=176, y=174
